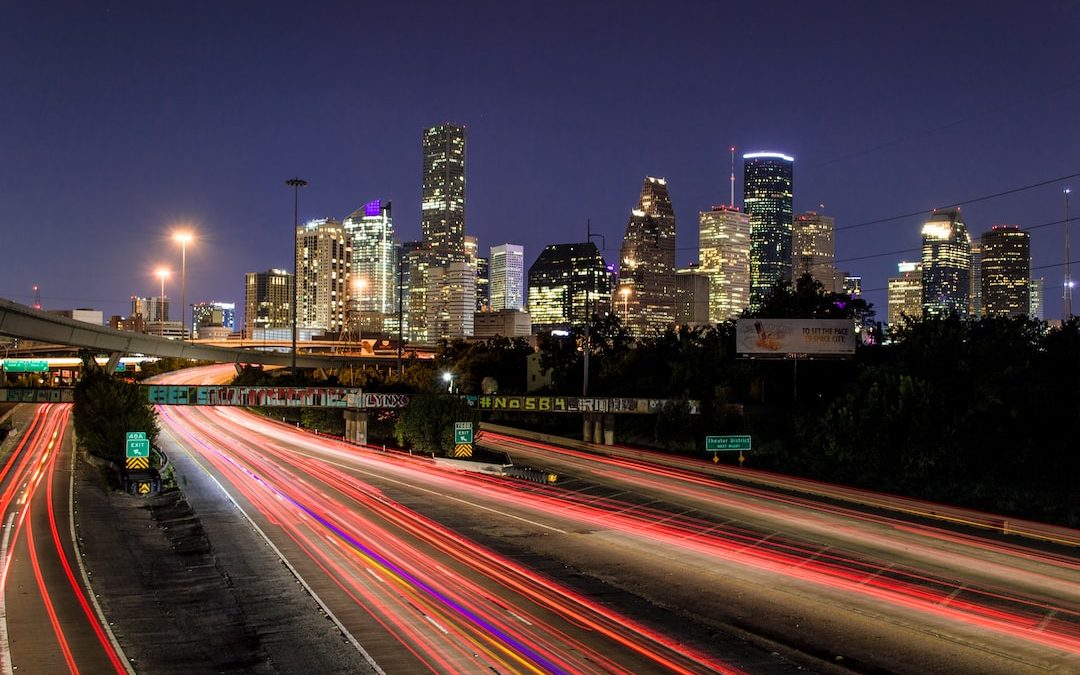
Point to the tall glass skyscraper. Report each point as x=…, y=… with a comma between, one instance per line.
x=507, y=277
x=372, y=275
x=767, y=198
x=1006, y=271
x=442, y=218
x=724, y=249
x=946, y=265
x=813, y=248
x=567, y=284
x=647, y=261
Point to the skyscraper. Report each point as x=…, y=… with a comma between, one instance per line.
x=905, y=293
x=975, y=275
x=208, y=315
x=451, y=301
x=567, y=284
x=507, y=277
x=647, y=261
x=946, y=264
x=372, y=279
x=724, y=249
x=442, y=218
x=266, y=300
x=813, y=248
x=767, y=198
x=1036, y=310
x=1006, y=271
x=483, y=284
x=323, y=260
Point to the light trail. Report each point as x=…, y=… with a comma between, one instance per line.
x=425, y=584
x=33, y=461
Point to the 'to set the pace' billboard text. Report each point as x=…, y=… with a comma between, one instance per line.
x=779, y=337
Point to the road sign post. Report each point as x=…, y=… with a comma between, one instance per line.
x=463, y=439
x=718, y=444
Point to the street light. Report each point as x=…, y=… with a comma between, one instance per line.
x=448, y=377
x=183, y=238
x=295, y=184
x=358, y=289
x=164, y=274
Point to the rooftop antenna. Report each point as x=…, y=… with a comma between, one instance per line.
x=732, y=177
x=37, y=296
x=1068, y=274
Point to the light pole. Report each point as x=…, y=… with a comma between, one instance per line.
x=163, y=273
x=183, y=238
x=295, y=184
x=448, y=377
x=359, y=285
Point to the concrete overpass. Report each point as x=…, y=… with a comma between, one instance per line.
x=26, y=322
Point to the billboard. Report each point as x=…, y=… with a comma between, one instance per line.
x=802, y=337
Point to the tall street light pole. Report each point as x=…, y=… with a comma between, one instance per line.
x=183, y=238
x=295, y=184
x=163, y=273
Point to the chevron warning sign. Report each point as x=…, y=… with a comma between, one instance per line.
x=138, y=463
x=463, y=450
x=144, y=488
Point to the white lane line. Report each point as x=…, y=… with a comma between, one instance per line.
x=5, y=648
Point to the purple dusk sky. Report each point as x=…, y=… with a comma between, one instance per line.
x=119, y=122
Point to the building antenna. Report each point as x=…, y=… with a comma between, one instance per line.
x=1068, y=274
x=37, y=297
x=733, y=176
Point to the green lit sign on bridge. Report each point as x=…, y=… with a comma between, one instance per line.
x=723, y=443
x=25, y=365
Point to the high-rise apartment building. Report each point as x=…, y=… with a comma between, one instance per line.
x=647, y=261
x=813, y=248
x=1005, y=275
x=442, y=218
x=372, y=280
x=154, y=308
x=567, y=284
x=768, y=181
x=267, y=297
x=905, y=293
x=946, y=265
x=691, y=296
x=724, y=251
x=507, y=274
x=323, y=261
x=412, y=290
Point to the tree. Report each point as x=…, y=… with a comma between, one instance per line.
x=106, y=408
x=427, y=424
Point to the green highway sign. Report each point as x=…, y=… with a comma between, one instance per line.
x=722, y=443
x=463, y=432
x=25, y=365
x=138, y=445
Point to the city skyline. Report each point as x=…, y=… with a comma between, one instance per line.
x=205, y=137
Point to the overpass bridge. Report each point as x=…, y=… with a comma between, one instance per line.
x=32, y=324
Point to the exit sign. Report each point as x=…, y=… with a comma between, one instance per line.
x=722, y=443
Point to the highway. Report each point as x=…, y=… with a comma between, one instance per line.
x=681, y=551
x=48, y=620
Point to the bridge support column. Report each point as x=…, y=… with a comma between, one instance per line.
x=356, y=426
x=609, y=430
x=114, y=361
x=592, y=430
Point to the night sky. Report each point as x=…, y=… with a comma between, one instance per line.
x=120, y=122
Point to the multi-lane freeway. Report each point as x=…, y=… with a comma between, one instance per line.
x=631, y=562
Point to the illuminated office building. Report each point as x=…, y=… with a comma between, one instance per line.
x=767, y=198
x=1036, y=307
x=1005, y=275
x=206, y=316
x=647, y=262
x=451, y=301
x=372, y=281
x=813, y=248
x=442, y=218
x=323, y=261
x=567, y=284
x=946, y=265
x=507, y=277
x=724, y=250
x=267, y=297
x=905, y=293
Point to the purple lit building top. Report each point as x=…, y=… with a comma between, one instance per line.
x=373, y=208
